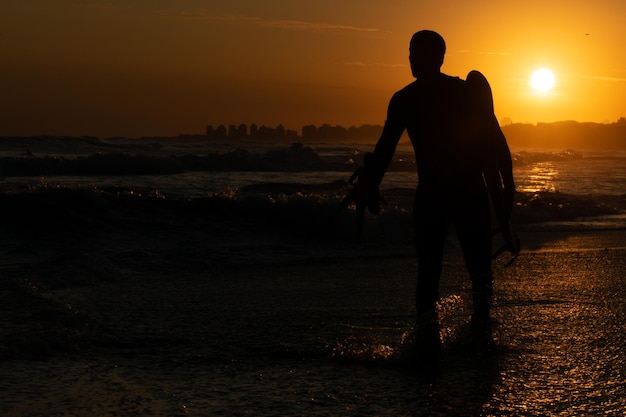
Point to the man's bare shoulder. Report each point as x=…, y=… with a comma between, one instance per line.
x=443, y=79
x=415, y=85
x=445, y=83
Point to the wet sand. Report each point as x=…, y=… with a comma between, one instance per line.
x=120, y=329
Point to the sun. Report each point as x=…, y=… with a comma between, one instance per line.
x=542, y=80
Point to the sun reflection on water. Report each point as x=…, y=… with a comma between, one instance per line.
x=541, y=177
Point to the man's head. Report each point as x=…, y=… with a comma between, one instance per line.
x=426, y=53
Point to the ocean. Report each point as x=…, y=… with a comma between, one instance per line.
x=570, y=185
x=173, y=278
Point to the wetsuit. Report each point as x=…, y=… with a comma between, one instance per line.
x=451, y=188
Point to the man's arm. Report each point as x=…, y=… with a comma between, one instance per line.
x=372, y=172
x=386, y=145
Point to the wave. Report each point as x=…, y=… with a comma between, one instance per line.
x=119, y=163
x=288, y=159
x=527, y=157
x=529, y=207
x=92, y=156
x=76, y=236
x=278, y=207
x=157, y=158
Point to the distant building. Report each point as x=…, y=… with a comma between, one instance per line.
x=309, y=132
x=218, y=133
x=238, y=132
x=291, y=135
x=242, y=131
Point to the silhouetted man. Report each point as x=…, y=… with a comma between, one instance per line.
x=454, y=147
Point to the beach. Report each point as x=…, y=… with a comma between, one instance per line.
x=139, y=307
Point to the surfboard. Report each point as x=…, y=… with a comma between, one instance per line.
x=497, y=162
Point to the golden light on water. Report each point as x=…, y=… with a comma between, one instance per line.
x=541, y=177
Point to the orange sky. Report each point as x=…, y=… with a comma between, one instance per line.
x=157, y=67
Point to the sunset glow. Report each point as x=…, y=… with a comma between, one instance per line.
x=135, y=68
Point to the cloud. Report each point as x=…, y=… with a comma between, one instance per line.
x=102, y=6
x=313, y=26
x=599, y=78
x=288, y=24
x=373, y=64
x=469, y=51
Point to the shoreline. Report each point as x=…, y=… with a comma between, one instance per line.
x=251, y=339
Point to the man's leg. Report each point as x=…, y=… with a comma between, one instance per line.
x=473, y=227
x=360, y=213
x=431, y=227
